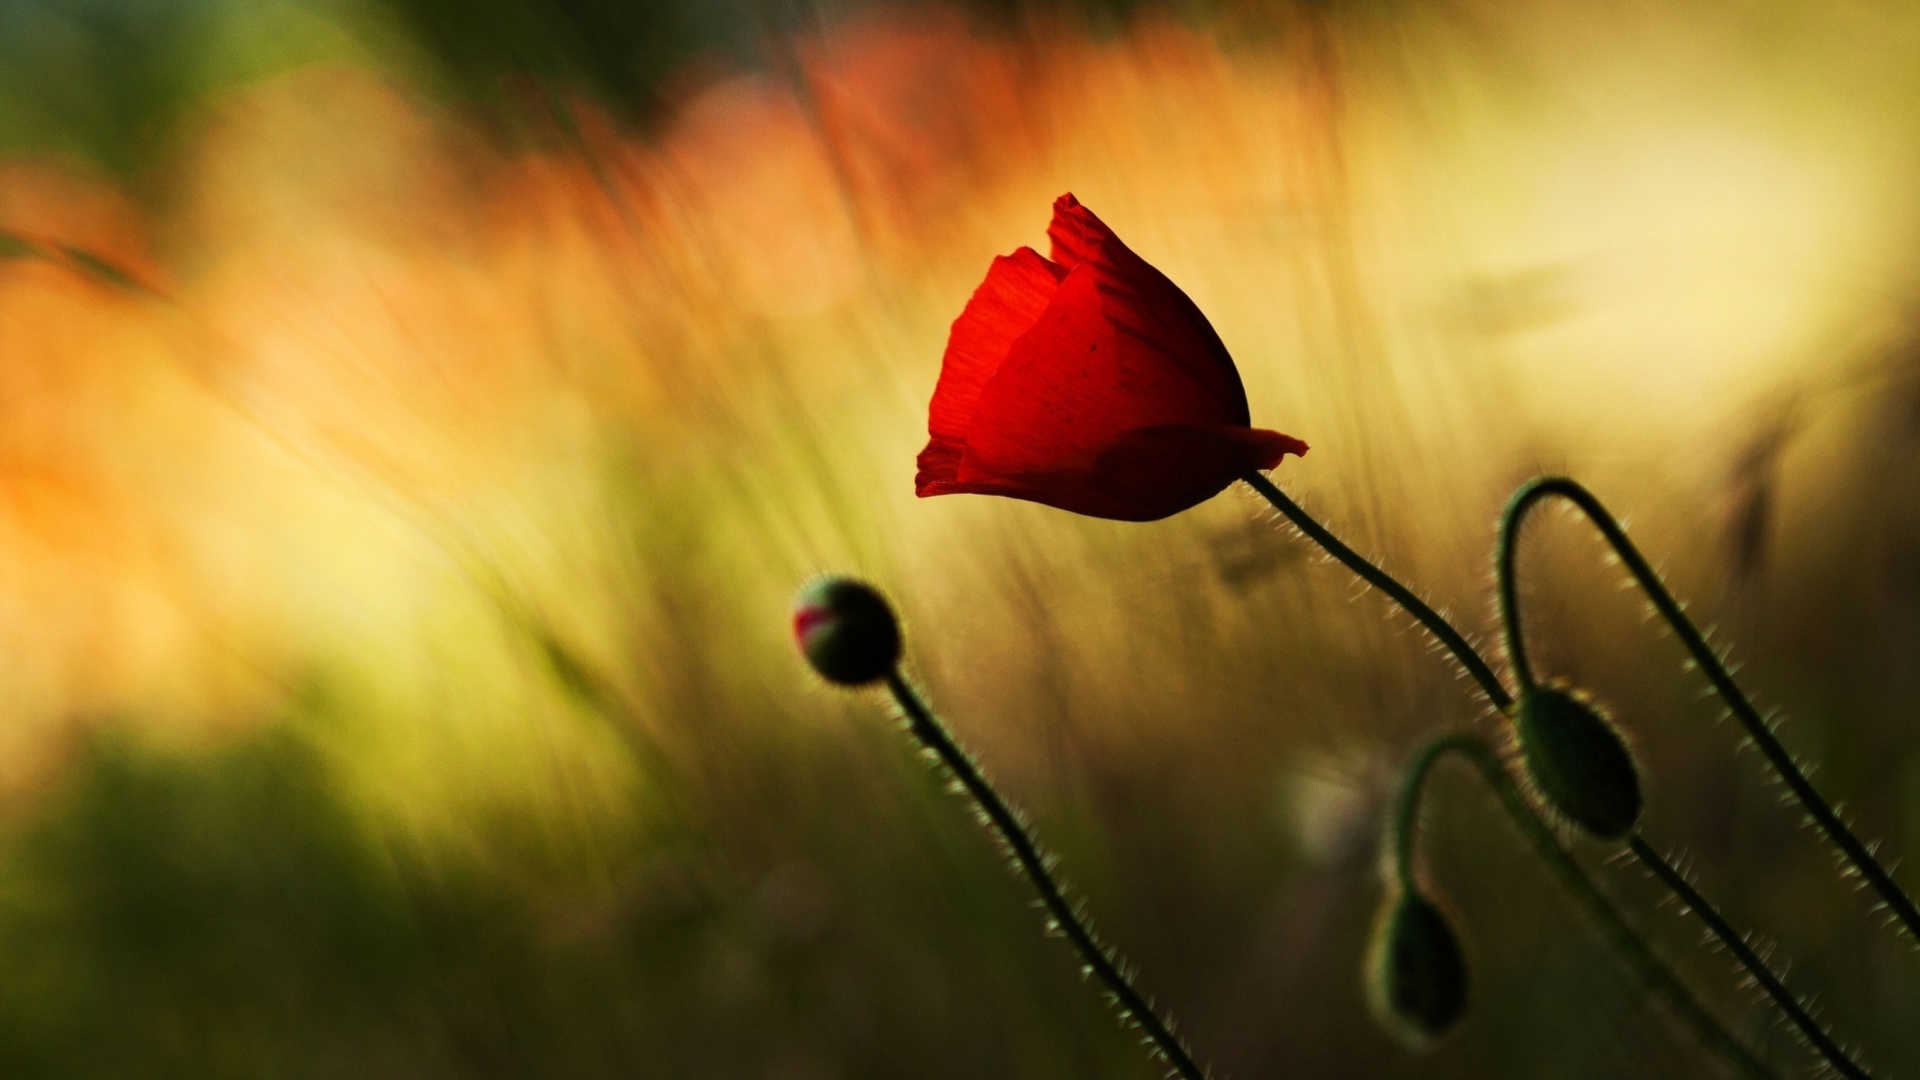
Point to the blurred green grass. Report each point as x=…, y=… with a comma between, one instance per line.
x=114, y=82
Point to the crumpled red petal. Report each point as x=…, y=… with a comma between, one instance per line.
x=1144, y=304
x=1017, y=290
x=1075, y=383
x=1076, y=234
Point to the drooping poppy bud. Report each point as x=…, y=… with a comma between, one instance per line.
x=1417, y=972
x=847, y=630
x=1091, y=383
x=1578, y=761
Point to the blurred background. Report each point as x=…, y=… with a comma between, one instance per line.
x=416, y=416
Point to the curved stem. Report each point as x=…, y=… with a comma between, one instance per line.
x=1756, y=727
x=1749, y=959
x=1512, y=637
x=1625, y=941
x=1435, y=623
x=1099, y=961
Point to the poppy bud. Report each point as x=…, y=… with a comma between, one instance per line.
x=847, y=630
x=1578, y=761
x=1417, y=972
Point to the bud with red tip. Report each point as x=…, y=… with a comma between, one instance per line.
x=847, y=631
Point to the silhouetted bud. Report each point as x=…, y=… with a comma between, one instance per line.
x=1579, y=761
x=1417, y=973
x=847, y=630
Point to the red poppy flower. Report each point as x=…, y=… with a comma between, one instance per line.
x=1091, y=383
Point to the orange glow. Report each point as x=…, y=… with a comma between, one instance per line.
x=364, y=378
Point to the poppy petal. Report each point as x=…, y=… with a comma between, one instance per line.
x=1075, y=233
x=1017, y=290
x=1146, y=475
x=938, y=466
x=1164, y=470
x=1058, y=490
x=1091, y=383
x=1148, y=307
x=1072, y=386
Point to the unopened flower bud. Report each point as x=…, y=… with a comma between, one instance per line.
x=1417, y=972
x=847, y=630
x=1578, y=761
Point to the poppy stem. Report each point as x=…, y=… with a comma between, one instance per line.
x=1435, y=623
x=1514, y=632
x=1736, y=943
x=1631, y=947
x=1532, y=494
x=1097, y=960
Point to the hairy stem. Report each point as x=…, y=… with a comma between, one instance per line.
x=1823, y=815
x=1817, y=1036
x=1098, y=961
x=1628, y=944
x=1435, y=623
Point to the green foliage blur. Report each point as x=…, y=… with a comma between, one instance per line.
x=113, y=81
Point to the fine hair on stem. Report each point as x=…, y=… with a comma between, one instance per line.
x=1627, y=943
x=1856, y=853
x=1098, y=960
